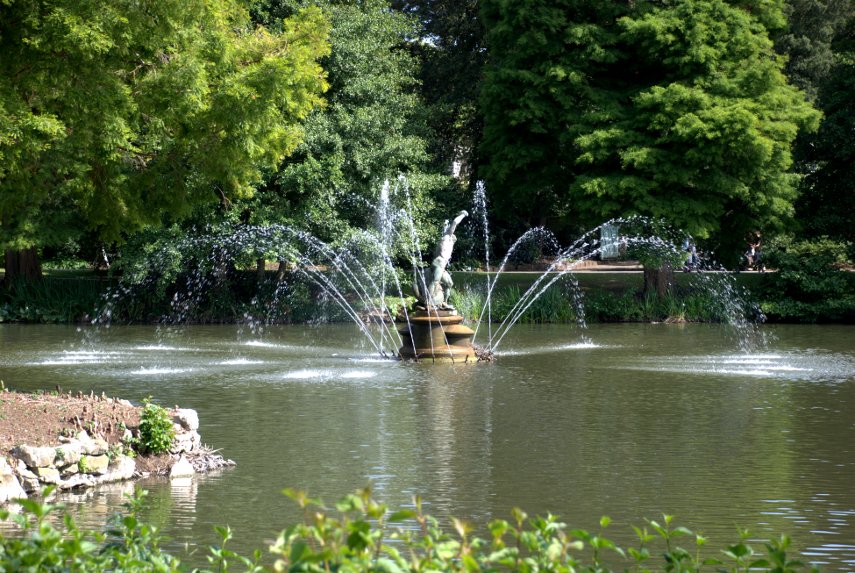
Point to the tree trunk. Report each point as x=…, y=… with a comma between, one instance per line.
x=259, y=270
x=280, y=273
x=659, y=280
x=24, y=264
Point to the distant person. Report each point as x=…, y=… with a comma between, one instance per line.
x=754, y=253
x=692, y=261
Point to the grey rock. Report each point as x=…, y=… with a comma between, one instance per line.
x=187, y=418
x=95, y=464
x=69, y=470
x=23, y=471
x=35, y=456
x=181, y=468
x=48, y=475
x=31, y=484
x=185, y=442
x=121, y=468
x=92, y=446
x=78, y=480
x=10, y=487
x=68, y=454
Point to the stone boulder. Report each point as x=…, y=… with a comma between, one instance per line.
x=10, y=487
x=186, y=418
x=35, y=456
x=181, y=468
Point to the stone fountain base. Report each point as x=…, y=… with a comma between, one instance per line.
x=437, y=336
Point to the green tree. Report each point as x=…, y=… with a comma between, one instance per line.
x=678, y=111
x=452, y=55
x=113, y=113
x=812, y=26
x=826, y=205
x=371, y=130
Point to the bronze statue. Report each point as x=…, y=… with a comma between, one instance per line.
x=433, y=286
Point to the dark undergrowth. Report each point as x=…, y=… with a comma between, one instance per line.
x=799, y=292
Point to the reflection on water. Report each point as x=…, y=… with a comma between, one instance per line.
x=628, y=420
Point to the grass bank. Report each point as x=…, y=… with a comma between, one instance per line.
x=610, y=297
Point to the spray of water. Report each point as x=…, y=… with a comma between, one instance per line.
x=358, y=275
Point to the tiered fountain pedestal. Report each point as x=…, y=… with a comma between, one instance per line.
x=437, y=336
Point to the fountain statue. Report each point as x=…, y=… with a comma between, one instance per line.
x=432, y=289
x=434, y=331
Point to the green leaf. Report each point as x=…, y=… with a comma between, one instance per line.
x=388, y=566
x=350, y=502
x=469, y=563
x=402, y=515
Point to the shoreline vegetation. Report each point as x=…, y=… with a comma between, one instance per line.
x=791, y=294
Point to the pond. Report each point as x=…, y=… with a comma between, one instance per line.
x=630, y=421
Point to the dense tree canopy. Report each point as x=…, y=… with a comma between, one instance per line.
x=116, y=115
x=812, y=26
x=827, y=203
x=114, y=112
x=452, y=55
x=677, y=110
x=371, y=130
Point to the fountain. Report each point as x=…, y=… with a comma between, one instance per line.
x=360, y=279
x=433, y=329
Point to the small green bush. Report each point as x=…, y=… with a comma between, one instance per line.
x=812, y=282
x=156, y=430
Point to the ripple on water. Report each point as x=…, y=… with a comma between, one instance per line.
x=795, y=366
x=163, y=348
x=328, y=374
x=371, y=359
x=75, y=357
x=586, y=345
x=358, y=374
x=264, y=344
x=239, y=362
x=159, y=371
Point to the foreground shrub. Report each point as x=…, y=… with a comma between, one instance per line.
x=362, y=536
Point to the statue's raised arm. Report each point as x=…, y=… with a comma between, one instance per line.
x=449, y=228
x=446, y=242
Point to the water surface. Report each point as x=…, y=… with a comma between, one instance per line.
x=630, y=421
